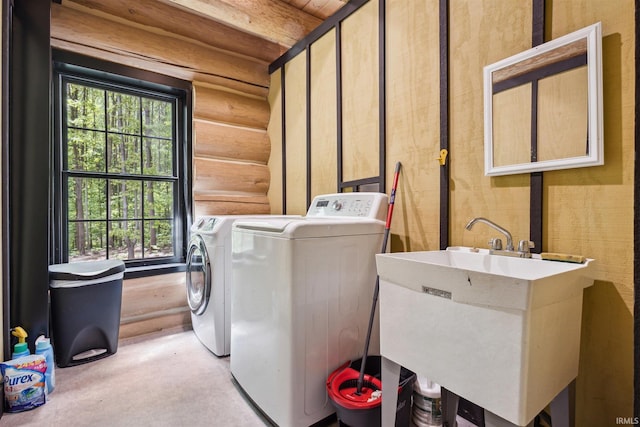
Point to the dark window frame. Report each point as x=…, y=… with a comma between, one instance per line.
x=111, y=76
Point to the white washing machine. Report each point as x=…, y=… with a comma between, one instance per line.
x=301, y=302
x=209, y=279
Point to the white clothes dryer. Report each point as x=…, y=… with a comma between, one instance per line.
x=209, y=279
x=301, y=302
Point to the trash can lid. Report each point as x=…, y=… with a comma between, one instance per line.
x=85, y=270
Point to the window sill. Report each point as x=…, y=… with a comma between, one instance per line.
x=153, y=270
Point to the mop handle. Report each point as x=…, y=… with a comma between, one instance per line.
x=392, y=200
x=376, y=289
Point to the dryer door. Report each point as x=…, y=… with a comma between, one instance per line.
x=198, y=276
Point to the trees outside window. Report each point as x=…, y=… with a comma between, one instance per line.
x=119, y=157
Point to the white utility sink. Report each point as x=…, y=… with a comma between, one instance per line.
x=502, y=332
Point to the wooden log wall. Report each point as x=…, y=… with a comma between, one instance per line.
x=230, y=146
x=228, y=70
x=231, y=150
x=276, y=21
x=153, y=304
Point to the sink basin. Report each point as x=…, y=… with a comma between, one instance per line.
x=502, y=332
x=473, y=276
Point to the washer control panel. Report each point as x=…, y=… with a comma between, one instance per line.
x=204, y=224
x=364, y=205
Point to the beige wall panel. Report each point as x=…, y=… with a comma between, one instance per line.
x=274, y=131
x=589, y=211
x=562, y=126
x=230, y=177
x=512, y=143
x=226, y=107
x=323, y=116
x=221, y=141
x=482, y=33
x=413, y=123
x=296, y=137
x=360, y=114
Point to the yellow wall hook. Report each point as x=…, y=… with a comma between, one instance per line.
x=443, y=157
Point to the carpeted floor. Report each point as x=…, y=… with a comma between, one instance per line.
x=167, y=379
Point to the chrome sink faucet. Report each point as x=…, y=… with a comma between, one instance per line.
x=496, y=244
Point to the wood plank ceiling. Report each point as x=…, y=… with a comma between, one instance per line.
x=262, y=29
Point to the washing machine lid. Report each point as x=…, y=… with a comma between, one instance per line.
x=306, y=227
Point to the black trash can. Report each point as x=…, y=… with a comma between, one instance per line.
x=86, y=299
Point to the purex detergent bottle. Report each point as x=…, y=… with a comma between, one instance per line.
x=20, y=348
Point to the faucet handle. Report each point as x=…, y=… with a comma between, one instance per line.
x=495, y=243
x=525, y=245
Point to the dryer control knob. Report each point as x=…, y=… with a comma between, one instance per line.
x=336, y=205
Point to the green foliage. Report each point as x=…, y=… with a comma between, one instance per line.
x=127, y=140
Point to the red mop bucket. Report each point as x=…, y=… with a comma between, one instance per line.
x=351, y=409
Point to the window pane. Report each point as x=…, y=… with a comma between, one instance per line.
x=124, y=113
x=87, y=199
x=125, y=239
x=158, y=238
x=158, y=157
x=87, y=240
x=124, y=154
x=113, y=135
x=125, y=199
x=157, y=118
x=85, y=107
x=158, y=199
x=85, y=150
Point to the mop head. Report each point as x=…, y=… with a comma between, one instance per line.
x=369, y=391
x=342, y=388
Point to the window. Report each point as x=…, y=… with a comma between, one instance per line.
x=120, y=168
